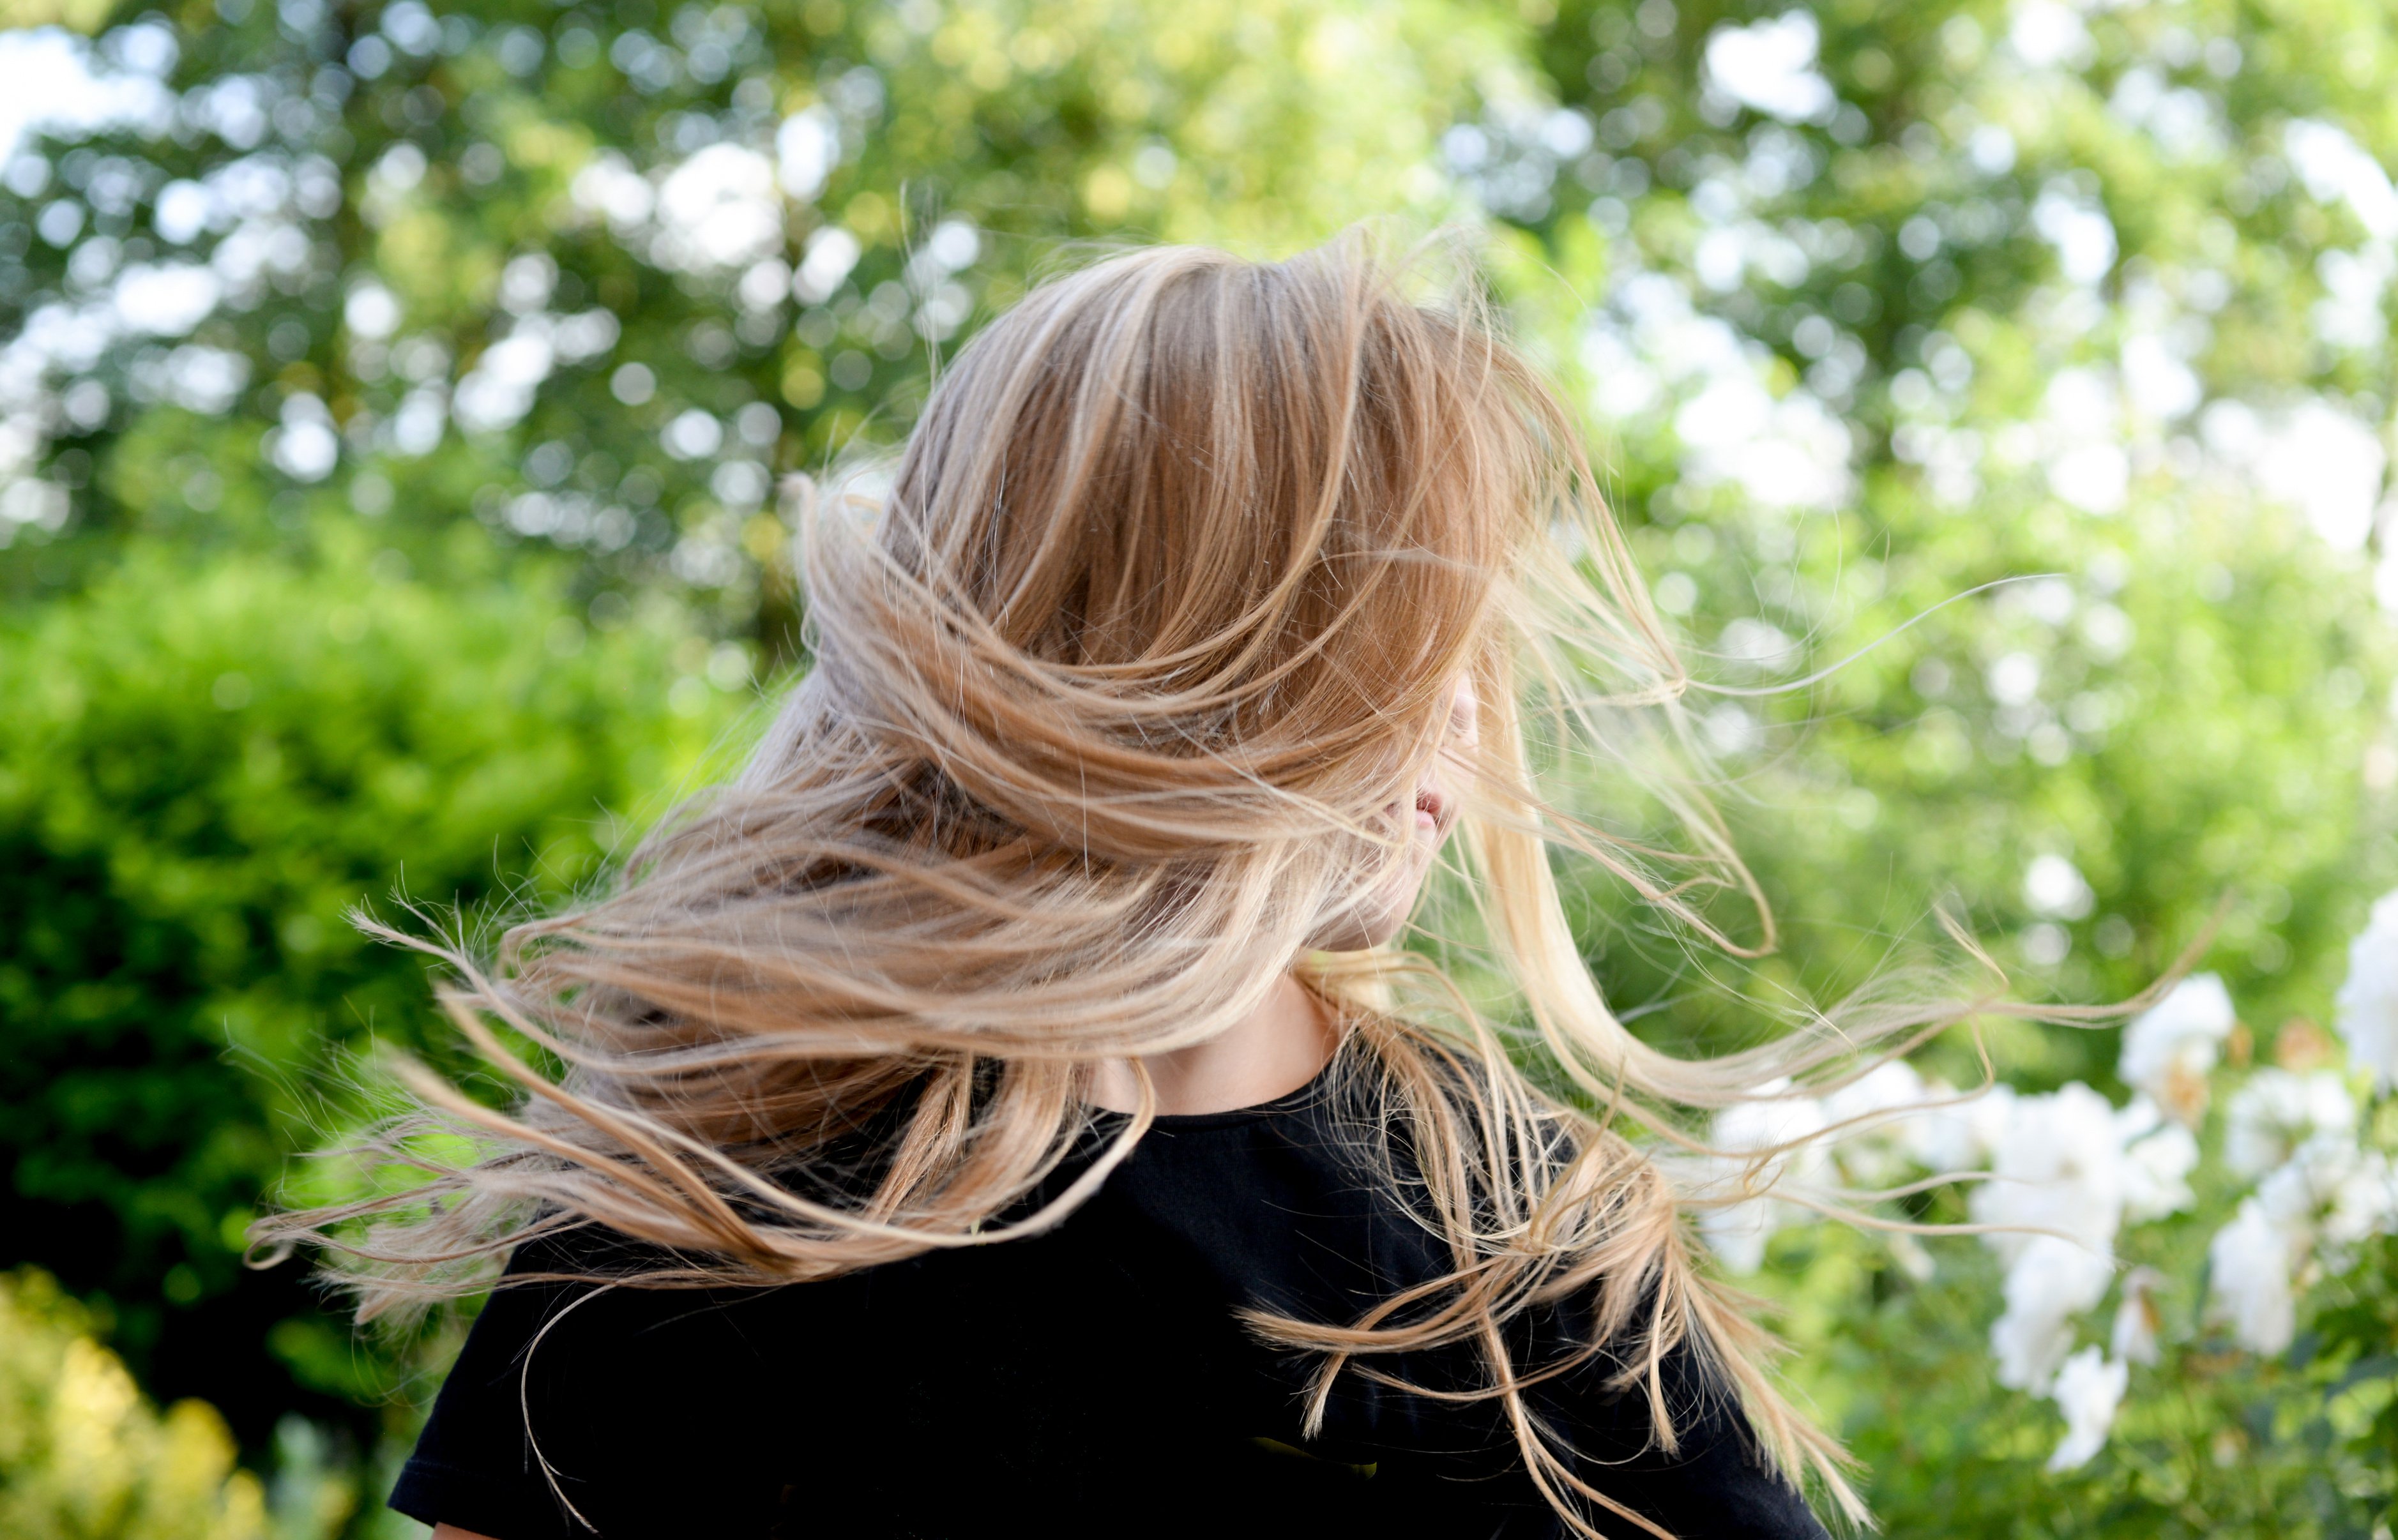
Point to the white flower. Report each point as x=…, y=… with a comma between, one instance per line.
x=2136, y=1317
x=2169, y=1047
x=2058, y=1166
x=2332, y=1191
x=2368, y=1001
x=2327, y=1194
x=2156, y=1173
x=1891, y=1084
x=2051, y=1282
x=2364, y=1203
x=2088, y=1390
x=1966, y=1136
x=1890, y=1136
x=2278, y=1111
x=2061, y=1167
x=1745, y=1213
x=2249, y=1266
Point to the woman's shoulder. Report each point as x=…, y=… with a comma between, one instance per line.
x=584, y=1294
x=581, y=1390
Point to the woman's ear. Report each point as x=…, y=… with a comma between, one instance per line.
x=1465, y=713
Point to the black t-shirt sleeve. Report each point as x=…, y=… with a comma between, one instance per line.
x=1717, y=1484
x=474, y=1466
x=583, y=1408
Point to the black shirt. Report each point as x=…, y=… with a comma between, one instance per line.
x=1091, y=1381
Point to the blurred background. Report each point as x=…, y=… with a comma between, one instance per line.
x=394, y=401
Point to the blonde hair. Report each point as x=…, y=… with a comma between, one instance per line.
x=1111, y=693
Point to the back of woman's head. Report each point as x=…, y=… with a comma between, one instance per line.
x=1120, y=688
x=1122, y=684
x=1184, y=558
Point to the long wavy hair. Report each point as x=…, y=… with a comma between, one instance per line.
x=1119, y=689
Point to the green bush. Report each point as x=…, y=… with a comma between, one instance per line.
x=84, y=1454
x=203, y=764
x=2212, y=1437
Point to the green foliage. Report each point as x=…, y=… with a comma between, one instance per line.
x=450, y=149
x=2211, y=1441
x=203, y=764
x=1894, y=260
x=2351, y=1358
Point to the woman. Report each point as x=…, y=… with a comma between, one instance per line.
x=1001, y=1109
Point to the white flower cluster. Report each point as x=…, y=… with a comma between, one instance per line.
x=2319, y=1196
x=1772, y=1168
x=2169, y=1048
x=2318, y=1193
x=2068, y=1170
x=2277, y=1112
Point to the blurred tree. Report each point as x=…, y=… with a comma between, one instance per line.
x=1881, y=305
x=597, y=275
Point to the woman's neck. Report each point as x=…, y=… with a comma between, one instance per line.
x=1271, y=1051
